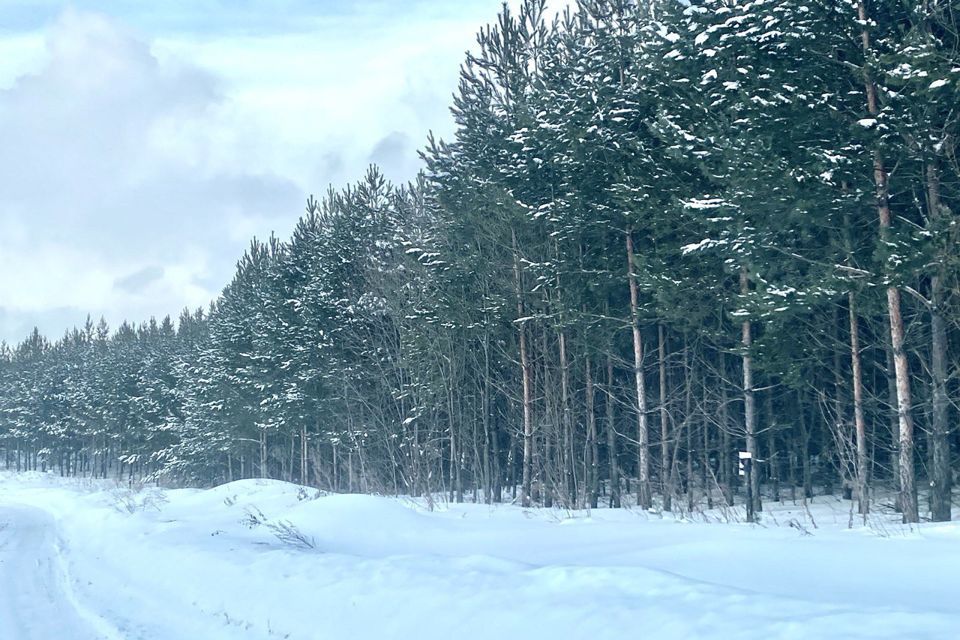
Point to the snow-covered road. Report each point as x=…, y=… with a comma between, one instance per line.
x=37, y=601
x=92, y=560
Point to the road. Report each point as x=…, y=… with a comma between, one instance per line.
x=37, y=600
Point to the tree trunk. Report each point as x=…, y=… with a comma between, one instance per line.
x=485, y=409
x=749, y=402
x=858, y=418
x=894, y=424
x=706, y=472
x=612, y=439
x=591, y=467
x=725, y=457
x=688, y=424
x=263, y=453
x=908, y=489
x=304, y=475
x=549, y=433
x=566, y=457
x=773, y=463
x=940, y=475
x=644, y=498
x=525, y=496
x=804, y=448
x=665, y=487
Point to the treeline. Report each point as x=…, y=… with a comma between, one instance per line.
x=664, y=232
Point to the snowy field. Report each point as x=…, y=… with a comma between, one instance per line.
x=264, y=560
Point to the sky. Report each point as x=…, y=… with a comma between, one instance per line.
x=143, y=144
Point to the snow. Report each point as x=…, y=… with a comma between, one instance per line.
x=705, y=203
x=936, y=84
x=170, y=564
x=36, y=597
x=697, y=246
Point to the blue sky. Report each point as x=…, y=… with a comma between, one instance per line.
x=146, y=142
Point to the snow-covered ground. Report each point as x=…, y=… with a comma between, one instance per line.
x=84, y=560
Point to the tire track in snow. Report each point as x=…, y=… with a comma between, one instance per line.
x=37, y=600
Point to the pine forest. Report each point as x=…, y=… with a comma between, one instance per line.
x=664, y=235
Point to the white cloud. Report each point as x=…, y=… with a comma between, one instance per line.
x=20, y=54
x=303, y=96
x=94, y=185
x=136, y=164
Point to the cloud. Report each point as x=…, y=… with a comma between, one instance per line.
x=396, y=153
x=139, y=280
x=167, y=134
x=100, y=177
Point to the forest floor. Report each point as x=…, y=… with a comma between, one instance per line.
x=265, y=559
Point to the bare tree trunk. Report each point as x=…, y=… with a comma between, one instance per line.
x=335, y=471
x=705, y=472
x=454, y=496
x=689, y=377
x=665, y=487
x=512, y=465
x=293, y=457
x=804, y=448
x=456, y=448
x=591, y=467
x=263, y=453
x=549, y=433
x=940, y=475
x=485, y=408
x=856, y=371
x=773, y=464
x=566, y=457
x=894, y=425
x=527, y=390
x=612, y=439
x=644, y=498
x=858, y=418
x=304, y=475
x=497, y=469
x=846, y=460
x=726, y=480
x=792, y=466
x=908, y=489
x=749, y=402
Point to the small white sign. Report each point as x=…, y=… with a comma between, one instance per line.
x=744, y=455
